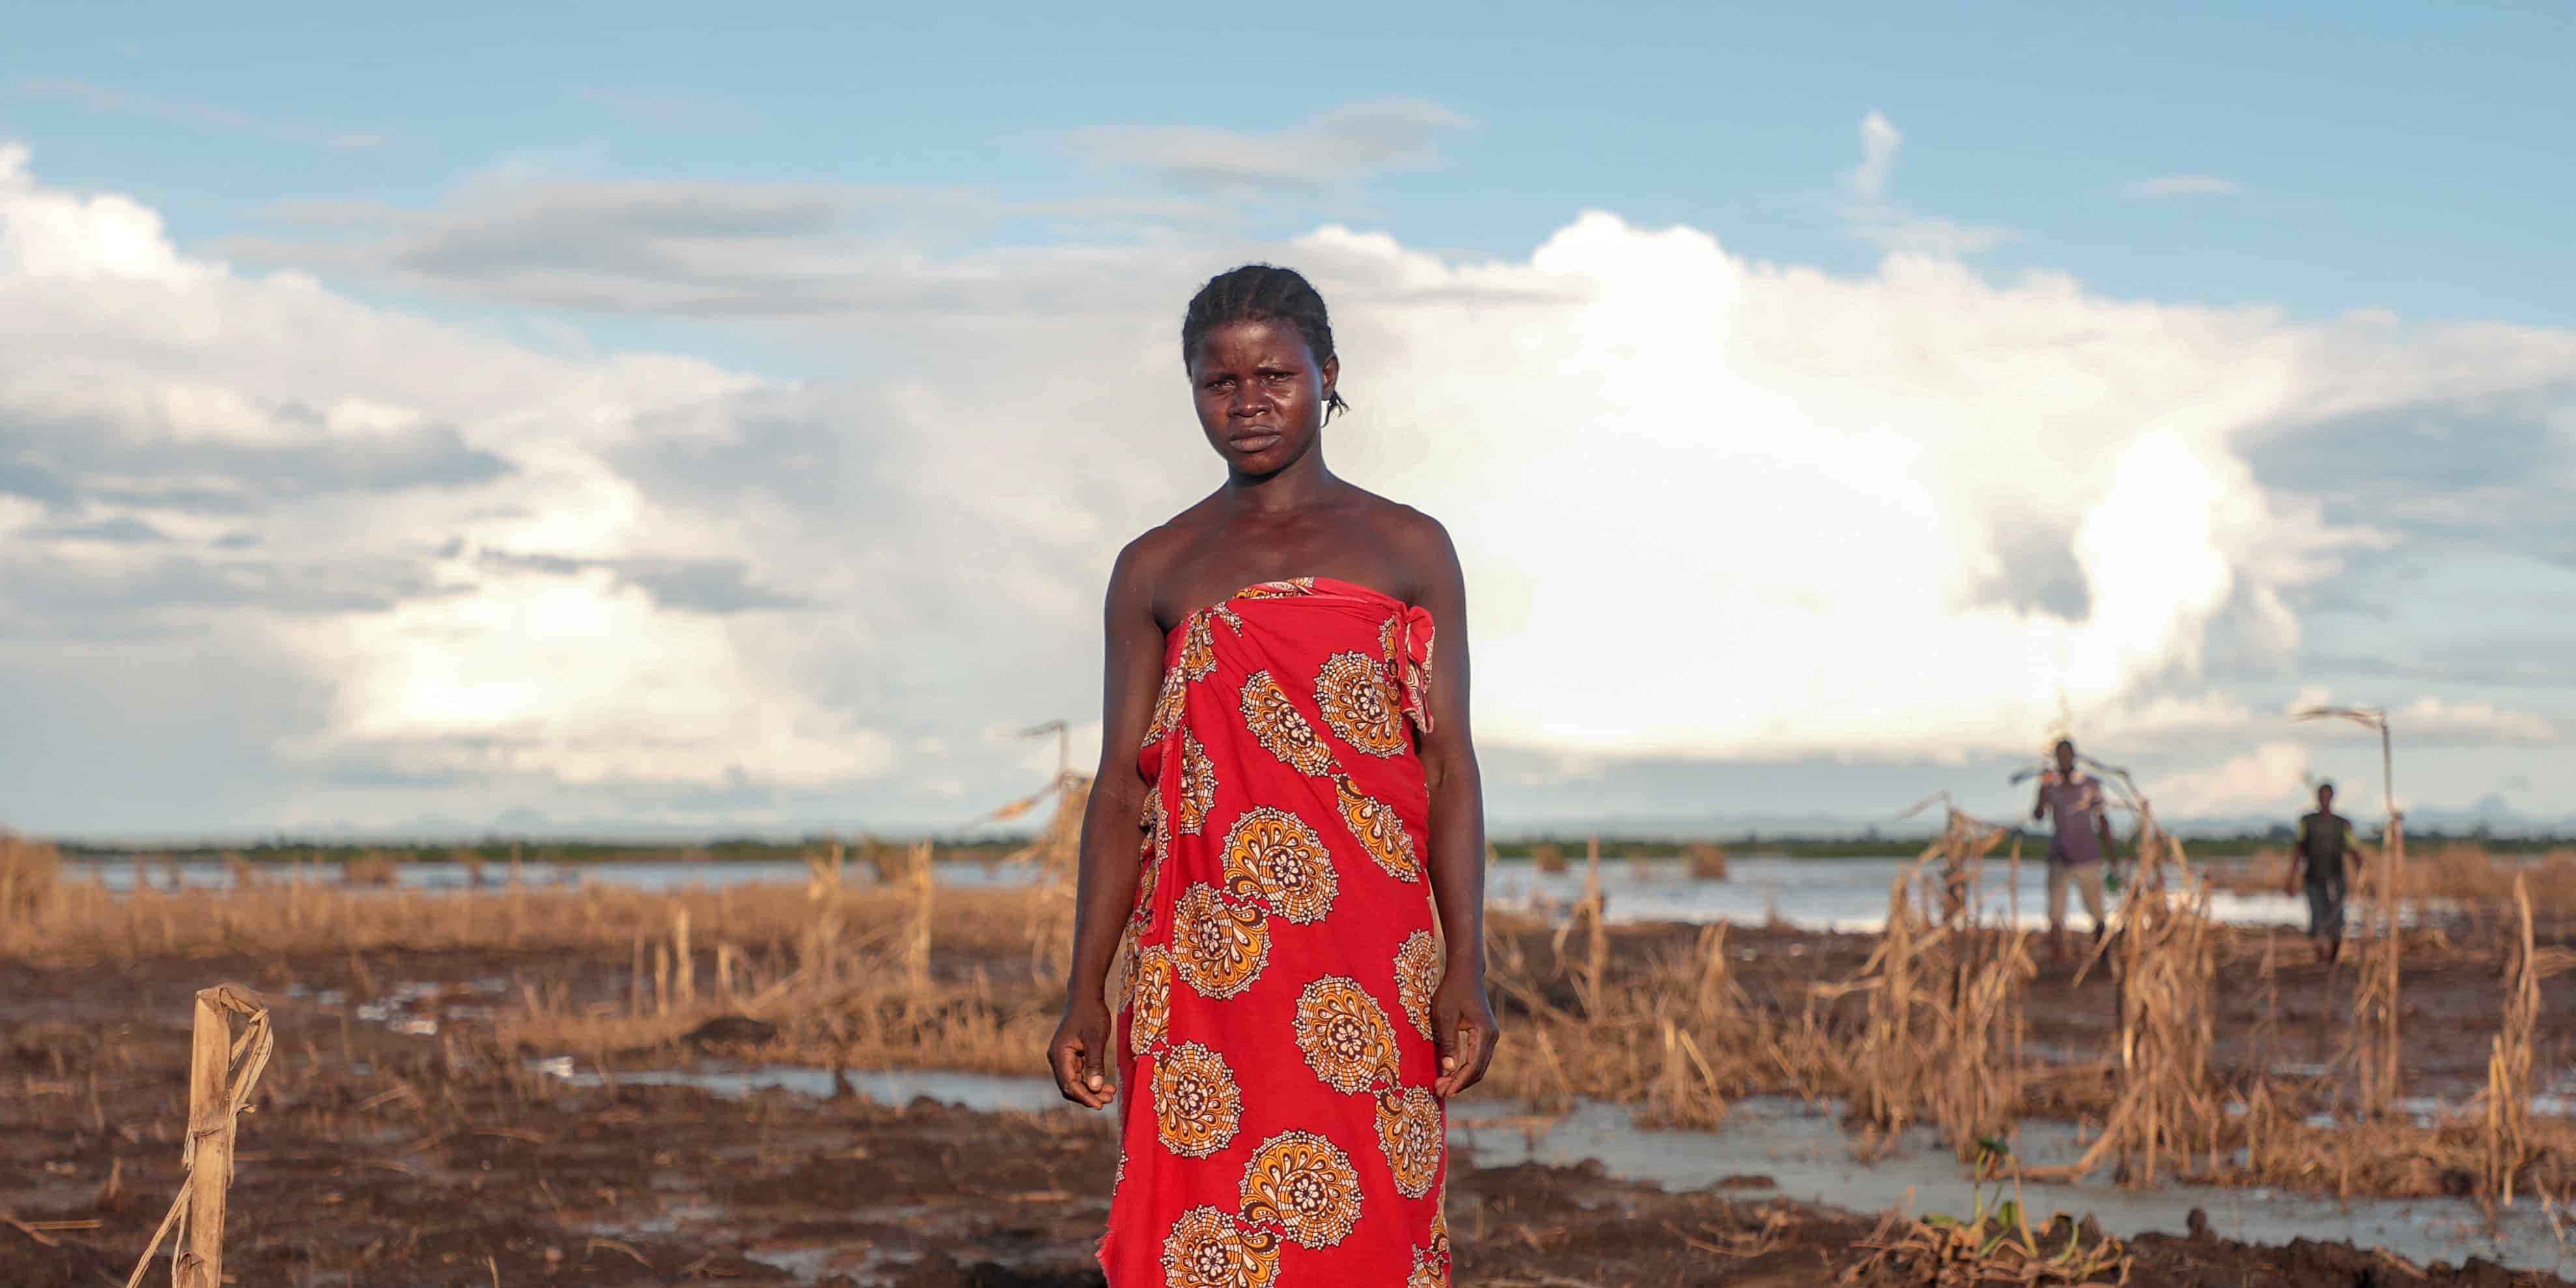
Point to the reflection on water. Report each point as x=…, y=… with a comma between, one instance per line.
x=1804, y=1155
x=1813, y=894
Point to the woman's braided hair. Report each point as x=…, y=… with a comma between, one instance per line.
x=1262, y=293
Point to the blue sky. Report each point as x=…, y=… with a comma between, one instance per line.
x=2405, y=156
x=577, y=267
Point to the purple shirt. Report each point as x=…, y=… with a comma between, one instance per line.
x=2075, y=810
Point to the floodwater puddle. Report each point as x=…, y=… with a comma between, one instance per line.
x=416, y=1008
x=982, y=1092
x=670, y=1219
x=1805, y=1156
x=1798, y=1151
x=861, y=1263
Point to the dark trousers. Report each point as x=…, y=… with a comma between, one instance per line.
x=2325, y=907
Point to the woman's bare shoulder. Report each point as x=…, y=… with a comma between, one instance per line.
x=1147, y=564
x=1419, y=543
x=1156, y=547
x=1396, y=521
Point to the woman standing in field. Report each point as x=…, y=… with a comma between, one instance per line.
x=1305, y=793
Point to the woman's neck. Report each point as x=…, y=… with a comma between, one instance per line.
x=1303, y=483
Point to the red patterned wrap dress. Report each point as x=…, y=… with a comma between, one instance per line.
x=1275, y=1043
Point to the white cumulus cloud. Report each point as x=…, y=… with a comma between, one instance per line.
x=1709, y=507
x=2273, y=776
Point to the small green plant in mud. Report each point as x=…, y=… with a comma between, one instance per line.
x=1994, y=1244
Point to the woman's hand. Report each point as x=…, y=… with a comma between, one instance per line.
x=1464, y=1021
x=1079, y=1054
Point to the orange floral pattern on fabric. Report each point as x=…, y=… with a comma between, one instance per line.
x=1280, y=1130
x=1218, y=947
x=1149, y=998
x=1345, y=1035
x=1280, y=727
x=1271, y=855
x=1168, y=702
x=1197, y=1106
x=1378, y=831
x=1198, y=785
x=1351, y=692
x=1198, y=648
x=1409, y=1130
x=1208, y=1248
x=1305, y=1185
x=1417, y=976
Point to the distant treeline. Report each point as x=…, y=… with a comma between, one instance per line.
x=988, y=849
x=499, y=852
x=2421, y=845
x=1876, y=846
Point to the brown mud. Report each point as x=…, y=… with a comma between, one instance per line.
x=386, y=1158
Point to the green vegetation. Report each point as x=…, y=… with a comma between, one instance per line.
x=1996, y=1243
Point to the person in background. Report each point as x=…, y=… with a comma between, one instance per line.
x=2324, y=862
x=2079, y=844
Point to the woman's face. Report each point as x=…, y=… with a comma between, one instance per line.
x=1260, y=394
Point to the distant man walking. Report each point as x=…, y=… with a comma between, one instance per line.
x=2079, y=842
x=2326, y=858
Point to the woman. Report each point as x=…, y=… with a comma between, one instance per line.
x=1290, y=1027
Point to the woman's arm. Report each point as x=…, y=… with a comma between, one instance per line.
x=1105, y=892
x=1463, y=1018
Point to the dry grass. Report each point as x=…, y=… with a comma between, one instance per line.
x=1929, y=1030
x=842, y=971
x=2347, y=1159
x=2470, y=874
x=2513, y=1144
x=28, y=874
x=1942, y=1039
x=373, y=868
x=2492, y=1150
x=2266, y=871
x=293, y=913
x=851, y=990
x=2374, y=1052
x=1704, y=861
x=1057, y=852
x=2460, y=872
x=2162, y=957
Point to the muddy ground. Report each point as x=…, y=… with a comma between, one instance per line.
x=385, y=1159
